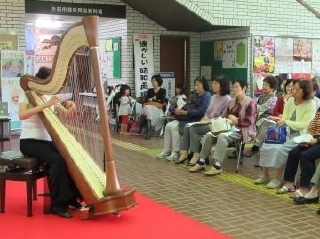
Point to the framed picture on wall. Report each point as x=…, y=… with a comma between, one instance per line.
x=8, y=41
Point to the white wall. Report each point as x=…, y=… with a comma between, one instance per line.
x=265, y=17
x=138, y=23
x=12, y=19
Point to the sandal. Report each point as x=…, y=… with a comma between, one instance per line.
x=296, y=194
x=285, y=189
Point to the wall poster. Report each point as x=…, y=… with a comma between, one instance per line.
x=302, y=55
x=264, y=51
x=12, y=68
x=229, y=54
x=144, y=62
x=283, y=55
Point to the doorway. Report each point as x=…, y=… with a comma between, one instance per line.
x=174, y=57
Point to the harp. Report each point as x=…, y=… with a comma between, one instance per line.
x=98, y=183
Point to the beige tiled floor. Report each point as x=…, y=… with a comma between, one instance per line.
x=229, y=202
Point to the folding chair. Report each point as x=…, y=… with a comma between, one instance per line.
x=239, y=145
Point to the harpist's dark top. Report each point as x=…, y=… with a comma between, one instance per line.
x=159, y=97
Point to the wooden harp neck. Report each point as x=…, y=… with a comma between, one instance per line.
x=85, y=33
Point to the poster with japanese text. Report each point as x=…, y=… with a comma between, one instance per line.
x=264, y=52
x=229, y=54
x=283, y=55
x=218, y=50
x=12, y=68
x=143, y=62
x=316, y=56
x=168, y=83
x=302, y=55
x=241, y=59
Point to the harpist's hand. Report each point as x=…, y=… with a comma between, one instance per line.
x=53, y=101
x=70, y=105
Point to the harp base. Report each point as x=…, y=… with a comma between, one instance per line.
x=112, y=204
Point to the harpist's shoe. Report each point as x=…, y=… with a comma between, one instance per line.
x=62, y=212
x=78, y=206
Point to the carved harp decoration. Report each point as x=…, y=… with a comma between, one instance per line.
x=100, y=188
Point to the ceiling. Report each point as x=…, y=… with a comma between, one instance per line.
x=167, y=13
x=66, y=22
x=172, y=15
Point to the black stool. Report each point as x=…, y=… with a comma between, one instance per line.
x=24, y=169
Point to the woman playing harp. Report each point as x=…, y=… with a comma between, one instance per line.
x=36, y=142
x=98, y=184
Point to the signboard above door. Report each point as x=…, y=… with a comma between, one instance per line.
x=75, y=9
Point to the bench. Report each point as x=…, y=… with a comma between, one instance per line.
x=24, y=169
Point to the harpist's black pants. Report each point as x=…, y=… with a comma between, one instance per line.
x=61, y=186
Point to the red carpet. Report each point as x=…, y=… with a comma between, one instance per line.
x=148, y=220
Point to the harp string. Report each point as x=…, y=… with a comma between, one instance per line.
x=83, y=125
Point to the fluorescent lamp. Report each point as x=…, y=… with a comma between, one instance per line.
x=48, y=24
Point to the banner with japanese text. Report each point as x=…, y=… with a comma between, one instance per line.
x=169, y=83
x=143, y=62
x=12, y=68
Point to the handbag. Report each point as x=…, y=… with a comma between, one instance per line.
x=276, y=134
x=220, y=125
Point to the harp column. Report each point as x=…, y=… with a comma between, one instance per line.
x=113, y=186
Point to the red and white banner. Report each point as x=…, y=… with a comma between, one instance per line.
x=143, y=62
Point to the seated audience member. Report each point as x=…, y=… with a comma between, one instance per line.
x=297, y=114
x=313, y=195
x=171, y=134
x=175, y=100
x=315, y=90
x=305, y=153
x=35, y=141
x=278, y=109
x=265, y=105
x=241, y=112
x=279, y=90
x=152, y=111
x=317, y=79
x=218, y=107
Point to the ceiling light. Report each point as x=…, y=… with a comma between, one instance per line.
x=48, y=24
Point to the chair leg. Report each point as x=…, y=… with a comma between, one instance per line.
x=29, y=197
x=46, y=196
x=34, y=189
x=239, y=150
x=2, y=194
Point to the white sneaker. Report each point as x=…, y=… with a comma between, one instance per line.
x=173, y=156
x=163, y=155
x=274, y=184
x=261, y=180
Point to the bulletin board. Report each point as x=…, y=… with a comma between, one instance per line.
x=295, y=57
x=111, y=54
x=299, y=57
x=211, y=53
